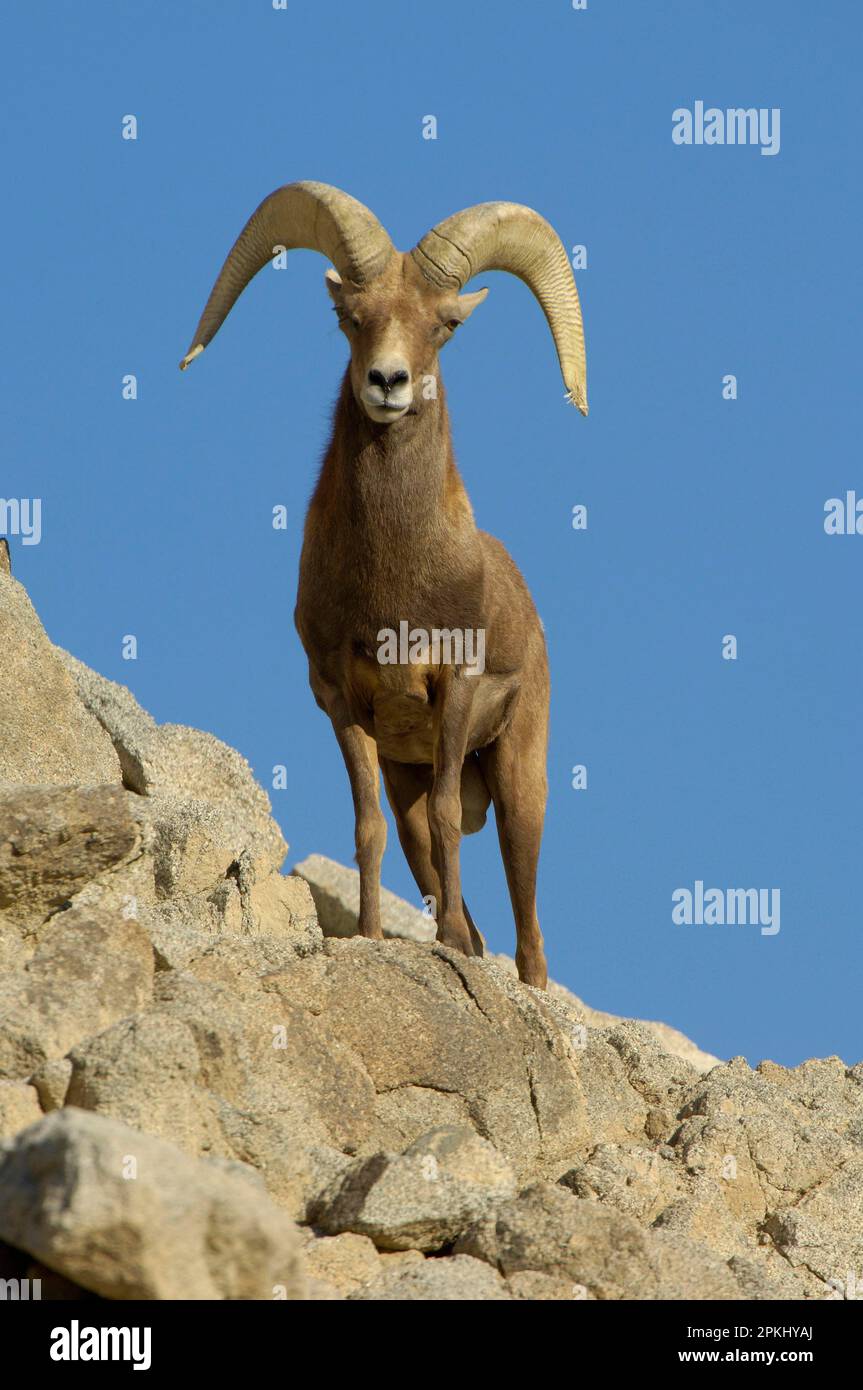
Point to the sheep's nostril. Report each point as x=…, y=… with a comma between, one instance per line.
x=388, y=383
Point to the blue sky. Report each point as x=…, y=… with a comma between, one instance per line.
x=705, y=515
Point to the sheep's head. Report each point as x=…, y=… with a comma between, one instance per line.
x=396, y=310
x=396, y=326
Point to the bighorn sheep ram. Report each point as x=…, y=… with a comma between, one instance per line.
x=390, y=539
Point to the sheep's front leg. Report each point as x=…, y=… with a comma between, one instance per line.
x=454, y=699
x=360, y=754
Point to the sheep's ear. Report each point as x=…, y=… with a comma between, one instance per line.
x=468, y=302
x=333, y=282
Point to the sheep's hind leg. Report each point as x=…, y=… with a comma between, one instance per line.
x=514, y=768
x=452, y=727
x=407, y=787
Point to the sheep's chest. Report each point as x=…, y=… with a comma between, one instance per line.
x=397, y=706
x=399, y=701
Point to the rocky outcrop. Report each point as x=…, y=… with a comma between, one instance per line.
x=189, y=776
x=336, y=893
x=128, y=1216
x=47, y=736
x=421, y=1199
x=56, y=840
x=210, y=1087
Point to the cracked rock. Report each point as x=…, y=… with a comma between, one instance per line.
x=422, y=1199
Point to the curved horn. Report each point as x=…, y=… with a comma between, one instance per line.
x=314, y=216
x=507, y=236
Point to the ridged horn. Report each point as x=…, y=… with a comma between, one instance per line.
x=507, y=236
x=311, y=216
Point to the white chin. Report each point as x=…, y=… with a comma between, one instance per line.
x=383, y=416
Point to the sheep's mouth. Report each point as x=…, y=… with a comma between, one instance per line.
x=386, y=411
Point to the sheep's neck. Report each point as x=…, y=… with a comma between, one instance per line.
x=390, y=533
x=396, y=483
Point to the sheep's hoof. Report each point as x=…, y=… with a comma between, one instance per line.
x=456, y=936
